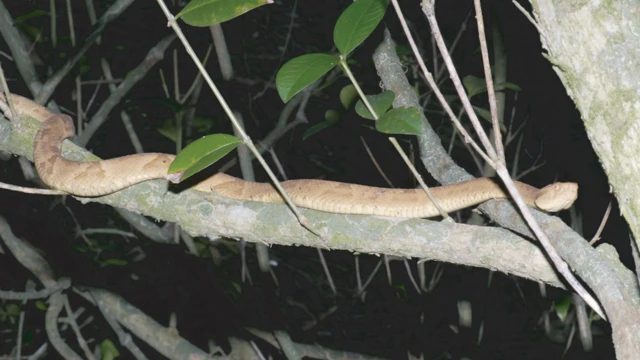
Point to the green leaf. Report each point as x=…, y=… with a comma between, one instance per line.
x=114, y=262
x=109, y=350
x=380, y=103
x=27, y=337
x=41, y=305
x=348, y=95
x=301, y=72
x=30, y=15
x=331, y=118
x=401, y=292
x=200, y=154
x=474, y=85
x=211, y=12
x=482, y=112
x=169, y=130
x=485, y=114
x=13, y=309
x=356, y=23
x=404, y=120
x=403, y=50
x=201, y=125
x=562, y=306
x=508, y=85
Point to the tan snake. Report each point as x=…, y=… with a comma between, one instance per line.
x=108, y=176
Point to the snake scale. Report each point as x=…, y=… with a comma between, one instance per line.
x=107, y=176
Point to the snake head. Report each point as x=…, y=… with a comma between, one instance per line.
x=556, y=197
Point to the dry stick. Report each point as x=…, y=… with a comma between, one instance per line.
x=277, y=163
x=245, y=138
x=222, y=51
x=470, y=150
x=382, y=173
x=138, y=221
x=71, y=320
x=53, y=19
x=31, y=294
x=30, y=285
x=163, y=339
x=560, y=264
x=28, y=190
x=244, y=155
x=248, y=174
x=38, y=266
x=501, y=170
x=56, y=302
x=375, y=162
x=455, y=79
x=394, y=142
x=72, y=32
x=198, y=79
x=489, y=80
x=285, y=46
x=356, y=261
x=605, y=217
x=126, y=120
x=407, y=267
x=11, y=35
x=92, y=99
x=325, y=268
x=430, y=80
x=52, y=83
x=7, y=93
x=138, y=73
x=91, y=12
x=124, y=338
x=371, y=276
x=79, y=112
x=437, y=70
x=281, y=126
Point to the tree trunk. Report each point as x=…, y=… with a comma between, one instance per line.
x=595, y=50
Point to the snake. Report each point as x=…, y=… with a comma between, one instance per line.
x=103, y=177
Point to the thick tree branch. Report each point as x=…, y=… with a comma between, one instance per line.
x=213, y=216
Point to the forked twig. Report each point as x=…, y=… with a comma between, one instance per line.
x=496, y=159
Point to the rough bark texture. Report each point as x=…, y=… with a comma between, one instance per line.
x=595, y=49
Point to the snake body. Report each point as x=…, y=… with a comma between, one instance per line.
x=107, y=176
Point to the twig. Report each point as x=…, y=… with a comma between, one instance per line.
x=71, y=319
x=407, y=267
x=327, y=272
x=61, y=284
x=499, y=165
x=429, y=11
x=394, y=142
x=488, y=77
x=375, y=162
x=605, y=217
x=222, y=51
x=154, y=55
x=245, y=138
x=72, y=33
x=430, y=80
x=52, y=83
x=56, y=303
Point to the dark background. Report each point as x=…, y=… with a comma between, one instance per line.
x=394, y=319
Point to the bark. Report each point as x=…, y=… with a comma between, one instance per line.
x=594, y=47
